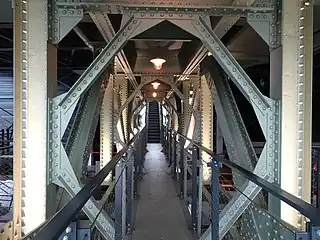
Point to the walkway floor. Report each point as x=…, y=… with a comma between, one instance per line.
x=159, y=212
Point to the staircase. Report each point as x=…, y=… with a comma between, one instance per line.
x=153, y=123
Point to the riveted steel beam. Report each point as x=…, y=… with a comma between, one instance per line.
x=62, y=109
x=62, y=21
x=105, y=27
x=107, y=127
x=294, y=78
x=206, y=110
x=222, y=27
x=100, y=63
x=35, y=79
x=275, y=228
x=173, y=10
x=82, y=133
x=266, y=164
x=239, y=147
x=123, y=86
x=230, y=66
x=64, y=176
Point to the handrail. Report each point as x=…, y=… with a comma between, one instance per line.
x=52, y=228
x=303, y=207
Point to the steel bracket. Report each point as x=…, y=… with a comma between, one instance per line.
x=262, y=24
x=62, y=22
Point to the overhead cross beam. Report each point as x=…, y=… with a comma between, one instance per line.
x=187, y=7
x=223, y=26
x=107, y=31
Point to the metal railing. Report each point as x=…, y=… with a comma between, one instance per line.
x=127, y=164
x=219, y=197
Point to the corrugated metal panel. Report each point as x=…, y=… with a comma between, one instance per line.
x=6, y=100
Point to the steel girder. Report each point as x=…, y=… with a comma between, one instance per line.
x=62, y=108
x=82, y=132
x=123, y=87
x=171, y=9
x=100, y=62
x=107, y=125
x=223, y=26
x=264, y=108
x=206, y=110
x=267, y=25
x=236, y=140
x=105, y=27
x=61, y=21
x=239, y=146
x=64, y=175
x=296, y=103
x=185, y=116
x=193, y=105
x=35, y=79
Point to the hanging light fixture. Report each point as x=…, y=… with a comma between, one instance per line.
x=154, y=95
x=155, y=85
x=157, y=62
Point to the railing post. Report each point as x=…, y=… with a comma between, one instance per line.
x=174, y=156
x=118, y=201
x=194, y=189
x=318, y=182
x=214, y=199
x=314, y=232
x=137, y=161
x=169, y=147
x=167, y=143
x=181, y=178
x=199, y=223
x=130, y=191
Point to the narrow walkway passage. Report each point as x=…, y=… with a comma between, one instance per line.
x=159, y=213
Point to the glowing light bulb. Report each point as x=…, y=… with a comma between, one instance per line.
x=154, y=95
x=155, y=85
x=157, y=63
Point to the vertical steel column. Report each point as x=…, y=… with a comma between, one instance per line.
x=318, y=182
x=130, y=193
x=118, y=201
x=214, y=200
x=167, y=142
x=294, y=89
x=124, y=197
x=35, y=77
x=219, y=138
x=194, y=189
x=169, y=147
x=206, y=131
x=137, y=160
x=200, y=185
x=174, y=155
x=107, y=126
x=181, y=178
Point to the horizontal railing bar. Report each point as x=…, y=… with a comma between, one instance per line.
x=303, y=207
x=52, y=229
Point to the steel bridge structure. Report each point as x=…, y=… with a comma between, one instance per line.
x=209, y=48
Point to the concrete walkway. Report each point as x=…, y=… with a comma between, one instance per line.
x=159, y=213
